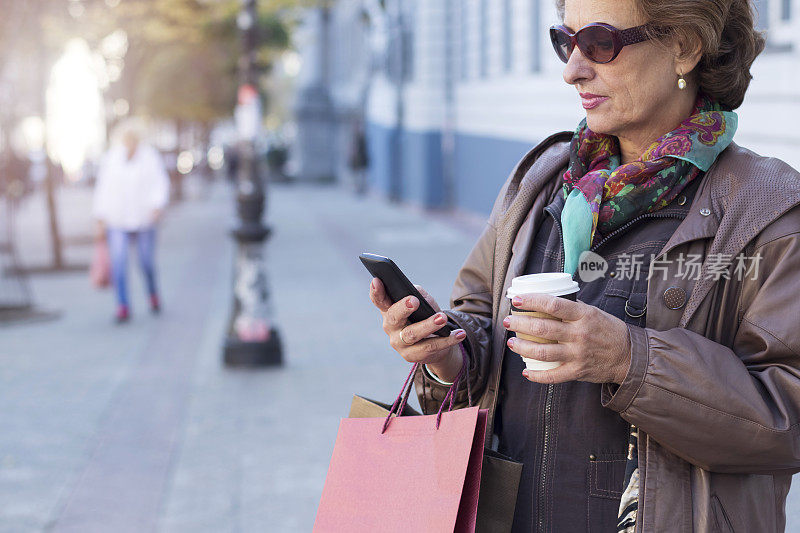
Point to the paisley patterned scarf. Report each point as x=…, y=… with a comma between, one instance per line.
x=602, y=195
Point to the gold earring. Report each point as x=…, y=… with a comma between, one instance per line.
x=681, y=82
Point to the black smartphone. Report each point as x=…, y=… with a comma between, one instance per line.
x=398, y=287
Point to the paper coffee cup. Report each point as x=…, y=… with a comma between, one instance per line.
x=558, y=284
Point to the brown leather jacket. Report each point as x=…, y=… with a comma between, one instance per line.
x=714, y=385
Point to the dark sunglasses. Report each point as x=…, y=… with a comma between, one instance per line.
x=598, y=42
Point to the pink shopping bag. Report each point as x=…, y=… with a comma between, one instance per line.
x=407, y=473
x=100, y=269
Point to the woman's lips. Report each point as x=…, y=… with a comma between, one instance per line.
x=590, y=101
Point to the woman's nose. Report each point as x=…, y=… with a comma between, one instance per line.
x=578, y=68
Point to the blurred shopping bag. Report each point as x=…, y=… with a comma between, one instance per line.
x=500, y=475
x=100, y=269
x=416, y=473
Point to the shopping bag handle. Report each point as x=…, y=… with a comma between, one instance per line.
x=402, y=398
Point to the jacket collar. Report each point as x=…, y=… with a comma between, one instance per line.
x=696, y=225
x=533, y=174
x=741, y=195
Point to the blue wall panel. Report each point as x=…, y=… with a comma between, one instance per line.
x=379, y=148
x=423, y=181
x=482, y=165
x=420, y=164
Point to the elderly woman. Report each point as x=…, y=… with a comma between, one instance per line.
x=131, y=193
x=677, y=404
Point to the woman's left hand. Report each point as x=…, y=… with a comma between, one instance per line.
x=592, y=344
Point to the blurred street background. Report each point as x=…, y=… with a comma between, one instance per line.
x=295, y=134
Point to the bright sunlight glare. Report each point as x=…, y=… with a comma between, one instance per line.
x=75, y=115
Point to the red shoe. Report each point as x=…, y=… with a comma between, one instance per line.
x=123, y=315
x=155, y=304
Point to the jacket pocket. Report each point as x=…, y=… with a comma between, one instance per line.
x=605, y=479
x=721, y=521
x=607, y=476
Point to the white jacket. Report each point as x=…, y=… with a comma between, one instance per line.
x=129, y=191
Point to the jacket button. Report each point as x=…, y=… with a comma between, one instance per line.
x=674, y=297
x=681, y=200
x=705, y=211
x=612, y=274
x=593, y=457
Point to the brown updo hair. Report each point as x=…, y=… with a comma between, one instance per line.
x=725, y=31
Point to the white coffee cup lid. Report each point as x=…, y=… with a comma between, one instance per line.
x=555, y=283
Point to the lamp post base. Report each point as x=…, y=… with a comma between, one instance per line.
x=238, y=353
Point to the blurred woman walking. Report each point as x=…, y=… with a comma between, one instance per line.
x=130, y=195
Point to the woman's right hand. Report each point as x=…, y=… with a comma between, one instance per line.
x=418, y=343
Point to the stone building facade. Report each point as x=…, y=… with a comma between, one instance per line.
x=453, y=92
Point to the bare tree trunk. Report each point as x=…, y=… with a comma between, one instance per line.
x=55, y=235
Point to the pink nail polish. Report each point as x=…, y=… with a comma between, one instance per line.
x=516, y=301
x=507, y=321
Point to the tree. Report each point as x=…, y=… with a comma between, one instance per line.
x=181, y=62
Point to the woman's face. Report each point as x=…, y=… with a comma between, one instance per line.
x=635, y=96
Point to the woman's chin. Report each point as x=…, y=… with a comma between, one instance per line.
x=598, y=122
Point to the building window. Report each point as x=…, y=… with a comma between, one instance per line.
x=409, y=46
x=507, y=35
x=450, y=66
x=535, y=36
x=484, y=33
x=775, y=18
x=464, y=27
x=762, y=9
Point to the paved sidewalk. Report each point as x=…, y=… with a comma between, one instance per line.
x=140, y=428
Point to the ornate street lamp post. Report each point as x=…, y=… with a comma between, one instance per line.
x=252, y=338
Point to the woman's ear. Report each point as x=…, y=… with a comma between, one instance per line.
x=687, y=56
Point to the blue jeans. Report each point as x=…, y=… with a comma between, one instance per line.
x=118, y=244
